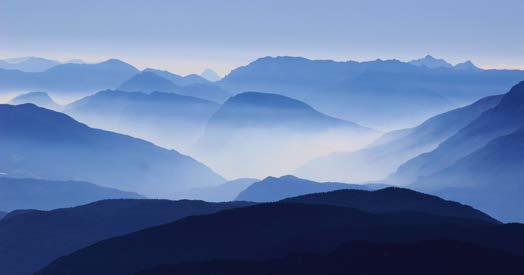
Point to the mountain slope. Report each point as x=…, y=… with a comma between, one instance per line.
x=501, y=120
x=280, y=131
x=39, y=143
x=38, y=98
x=2, y=214
x=46, y=195
x=210, y=75
x=28, y=64
x=177, y=79
x=431, y=62
x=274, y=230
x=491, y=178
x=384, y=156
x=69, y=77
x=29, y=240
x=147, y=82
x=275, y=189
x=151, y=80
x=167, y=119
x=404, y=93
x=393, y=199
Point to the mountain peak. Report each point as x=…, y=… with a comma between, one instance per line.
x=210, y=75
x=431, y=62
x=466, y=66
x=147, y=81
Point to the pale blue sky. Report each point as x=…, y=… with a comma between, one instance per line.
x=188, y=36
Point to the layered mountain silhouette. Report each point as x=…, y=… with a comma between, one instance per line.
x=227, y=191
x=161, y=81
x=70, y=78
x=29, y=240
x=443, y=256
x=28, y=64
x=479, y=164
x=210, y=75
x=503, y=119
x=274, y=230
x=46, y=195
x=405, y=94
x=167, y=119
x=38, y=98
x=274, y=189
x=2, y=214
x=39, y=143
x=177, y=79
x=393, y=199
x=257, y=134
x=381, y=158
x=490, y=178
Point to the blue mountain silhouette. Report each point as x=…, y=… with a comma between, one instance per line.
x=36, y=238
x=46, y=195
x=39, y=143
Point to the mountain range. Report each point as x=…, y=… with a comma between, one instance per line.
x=40, y=143
x=28, y=64
x=69, y=78
x=46, y=195
x=274, y=189
x=257, y=134
x=378, y=160
x=167, y=119
x=151, y=80
x=405, y=94
x=29, y=240
x=275, y=230
x=478, y=164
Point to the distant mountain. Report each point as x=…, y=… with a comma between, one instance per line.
x=46, y=195
x=38, y=98
x=71, y=78
x=35, y=238
x=227, y=191
x=210, y=75
x=39, y=143
x=503, y=119
x=205, y=91
x=404, y=93
x=2, y=214
x=28, y=64
x=274, y=230
x=466, y=66
x=160, y=81
x=393, y=199
x=148, y=82
x=256, y=134
x=431, y=62
x=384, y=156
x=167, y=119
x=177, y=79
x=274, y=189
x=443, y=256
x=491, y=178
